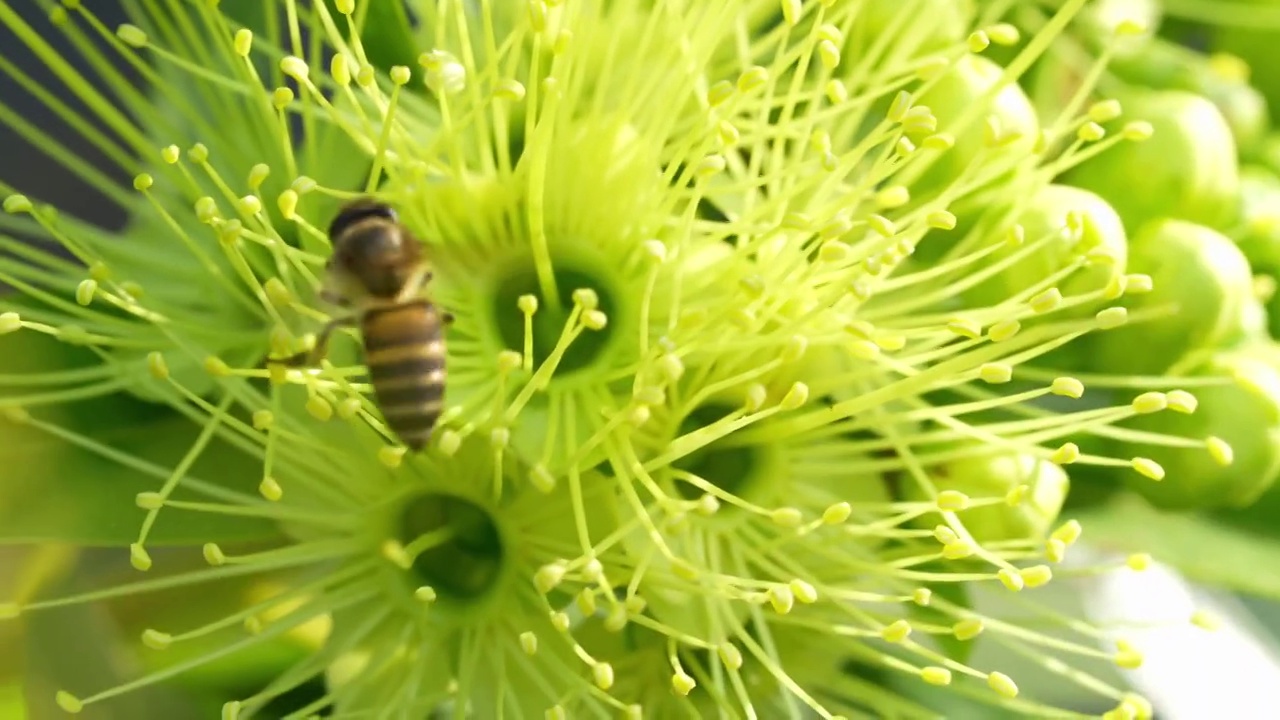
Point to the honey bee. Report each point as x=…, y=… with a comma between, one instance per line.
x=377, y=272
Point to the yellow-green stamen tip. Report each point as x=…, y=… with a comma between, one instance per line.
x=1002, y=684
x=139, y=558
x=1067, y=387
x=1138, y=561
x=896, y=631
x=68, y=702
x=1147, y=468
x=967, y=629
x=156, y=640
x=952, y=501
x=1011, y=579
x=213, y=554
x=935, y=675
x=270, y=489
x=1220, y=451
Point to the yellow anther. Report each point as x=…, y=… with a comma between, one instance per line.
x=1066, y=454
x=1150, y=402
x=935, y=675
x=1148, y=468
x=996, y=373
x=1067, y=387
x=958, y=550
x=967, y=629
x=1004, y=330
x=952, y=501
x=1037, y=575
x=1068, y=532
x=965, y=327
x=1138, y=562
x=837, y=513
x=1011, y=579
x=1002, y=684
x=896, y=632
x=1220, y=451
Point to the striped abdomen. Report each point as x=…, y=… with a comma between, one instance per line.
x=404, y=351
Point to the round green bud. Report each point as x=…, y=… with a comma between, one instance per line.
x=964, y=84
x=1245, y=109
x=1256, y=46
x=1108, y=23
x=1201, y=281
x=1047, y=214
x=1160, y=65
x=1251, y=327
x=1241, y=461
x=1187, y=170
x=1258, y=234
x=1223, y=80
x=932, y=25
x=1030, y=493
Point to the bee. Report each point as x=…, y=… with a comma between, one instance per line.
x=377, y=272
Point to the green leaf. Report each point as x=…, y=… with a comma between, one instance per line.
x=1204, y=549
x=52, y=490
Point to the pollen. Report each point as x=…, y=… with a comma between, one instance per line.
x=1002, y=684
x=967, y=629
x=1220, y=451
x=996, y=373
x=1181, y=401
x=952, y=501
x=1011, y=579
x=68, y=702
x=935, y=675
x=787, y=517
x=1066, y=454
x=1004, y=330
x=1147, y=468
x=132, y=35
x=295, y=67
x=1037, y=575
x=1112, y=317
x=896, y=631
x=1138, y=562
x=319, y=408
x=682, y=683
x=837, y=513
x=1150, y=402
x=139, y=558
x=270, y=489
x=958, y=550
x=752, y=78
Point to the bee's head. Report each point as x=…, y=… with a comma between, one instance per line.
x=373, y=256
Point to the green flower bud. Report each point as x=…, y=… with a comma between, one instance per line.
x=1201, y=281
x=965, y=84
x=1255, y=44
x=1047, y=215
x=1187, y=170
x=1104, y=20
x=1240, y=421
x=1259, y=229
x=1222, y=79
x=931, y=24
x=1013, y=496
x=1251, y=326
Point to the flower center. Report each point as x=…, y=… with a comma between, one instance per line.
x=464, y=555
x=729, y=466
x=548, y=323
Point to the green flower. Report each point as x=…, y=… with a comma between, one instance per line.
x=718, y=438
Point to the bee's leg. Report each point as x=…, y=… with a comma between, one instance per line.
x=446, y=317
x=312, y=357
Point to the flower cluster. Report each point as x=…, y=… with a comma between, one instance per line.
x=778, y=330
